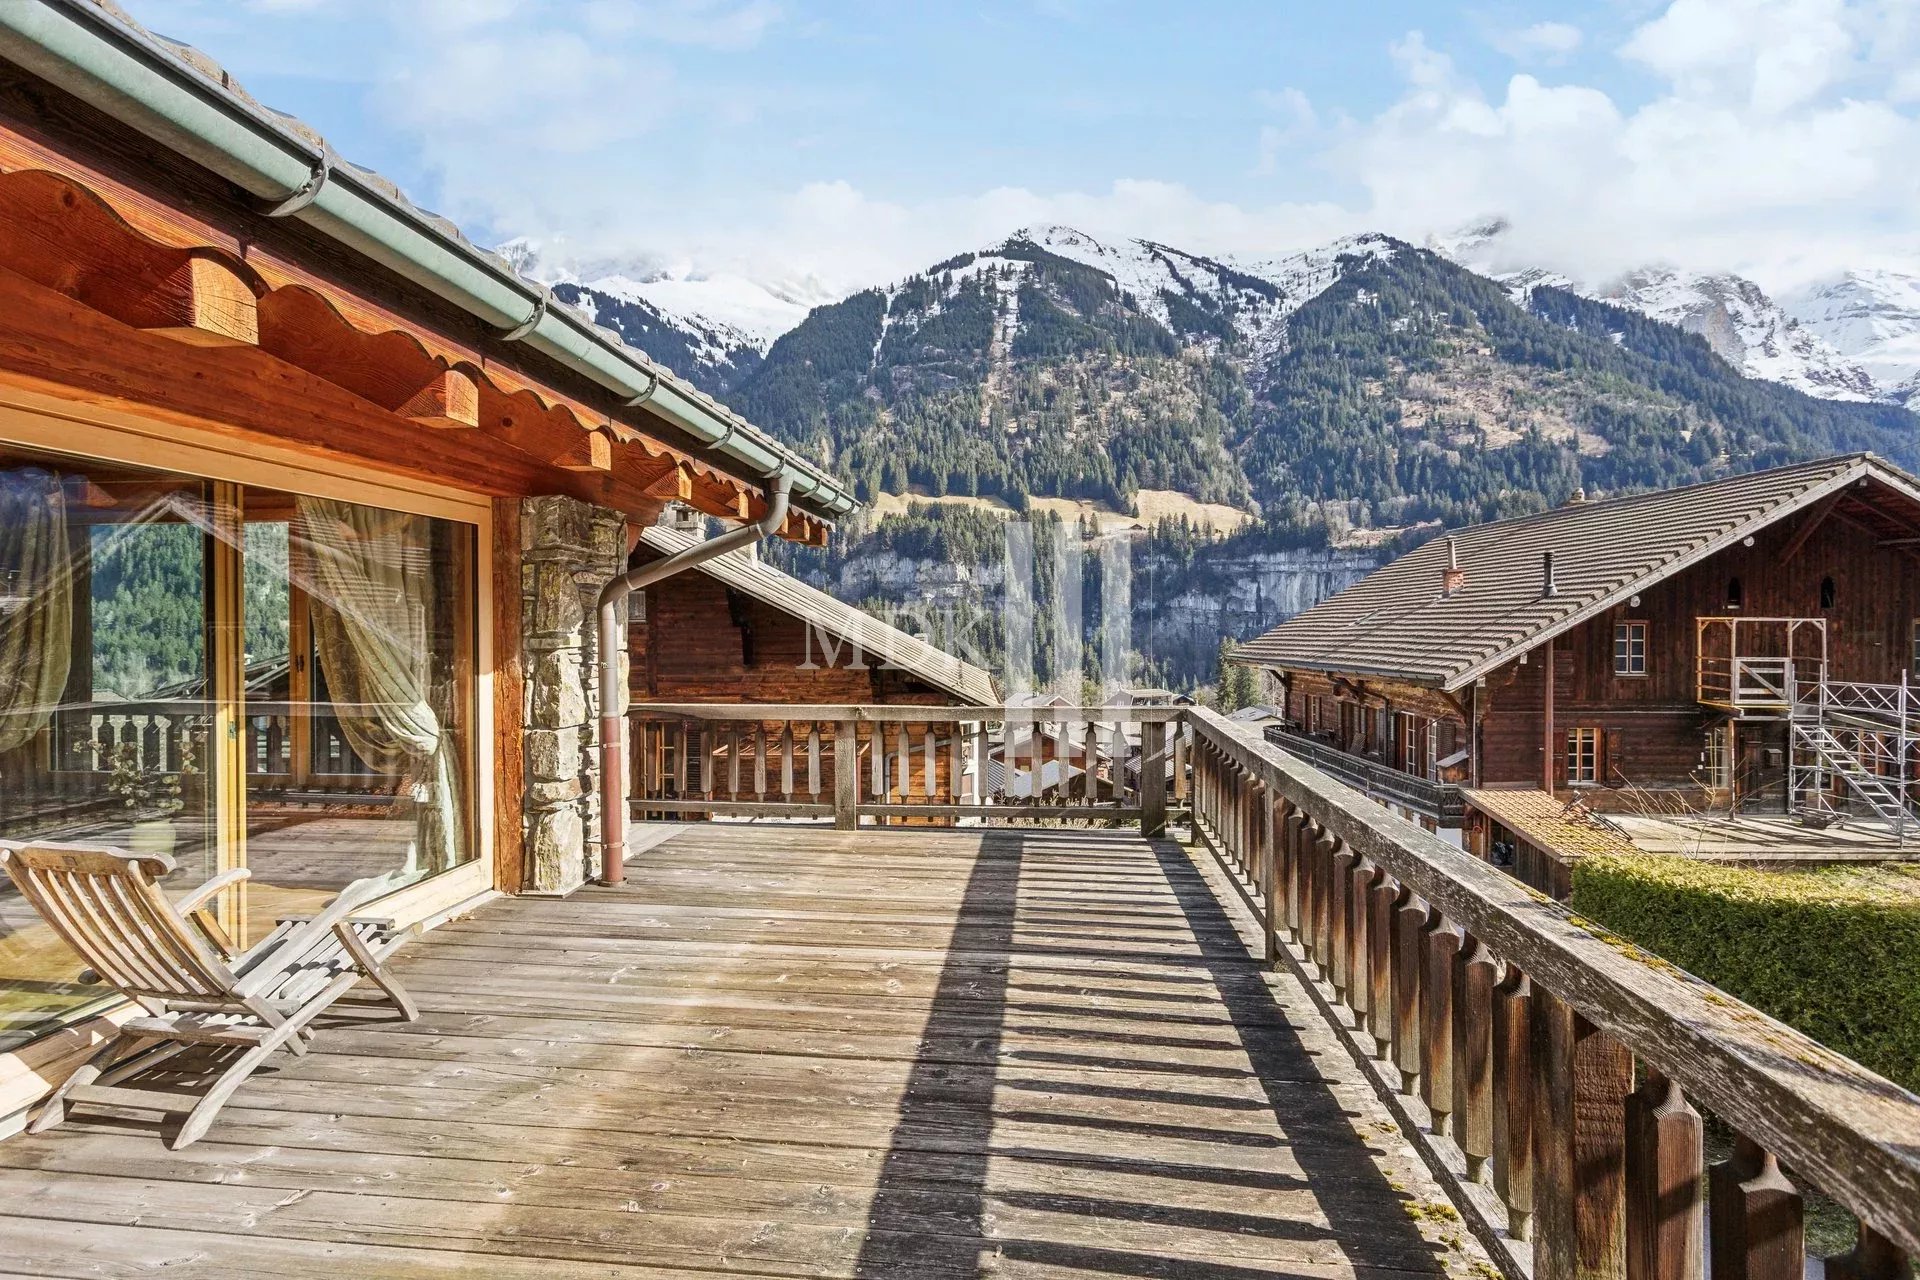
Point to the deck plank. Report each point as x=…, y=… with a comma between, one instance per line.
x=787, y=1051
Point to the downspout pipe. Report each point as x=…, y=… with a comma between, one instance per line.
x=613, y=598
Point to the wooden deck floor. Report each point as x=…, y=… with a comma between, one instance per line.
x=792, y=1052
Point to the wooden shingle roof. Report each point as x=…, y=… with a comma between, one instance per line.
x=878, y=643
x=1396, y=623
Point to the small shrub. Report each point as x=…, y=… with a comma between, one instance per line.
x=1833, y=952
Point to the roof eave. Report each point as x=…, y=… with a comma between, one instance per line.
x=1868, y=465
x=91, y=53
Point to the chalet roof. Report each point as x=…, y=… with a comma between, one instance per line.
x=1396, y=623
x=879, y=642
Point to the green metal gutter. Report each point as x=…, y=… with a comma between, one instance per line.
x=92, y=54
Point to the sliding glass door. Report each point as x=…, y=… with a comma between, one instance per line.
x=227, y=675
x=359, y=706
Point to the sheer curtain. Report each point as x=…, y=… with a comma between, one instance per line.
x=36, y=602
x=373, y=623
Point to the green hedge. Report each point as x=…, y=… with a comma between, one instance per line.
x=1834, y=952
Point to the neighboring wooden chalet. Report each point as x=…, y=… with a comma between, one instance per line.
x=769, y=637
x=1745, y=642
x=305, y=506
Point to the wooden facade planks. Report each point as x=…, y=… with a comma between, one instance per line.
x=787, y=1051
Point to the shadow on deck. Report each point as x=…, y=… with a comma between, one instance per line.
x=788, y=1051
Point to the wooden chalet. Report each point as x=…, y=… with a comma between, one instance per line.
x=1745, y=643
x=299, y=495
x=316, y=525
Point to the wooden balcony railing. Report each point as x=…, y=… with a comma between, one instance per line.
x=1551, y=1060
x=1440, y=801
x=904, y=762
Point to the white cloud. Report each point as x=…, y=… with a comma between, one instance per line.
x=719, y=24
x=1776, y=54
x=1550, y=41
x=1294, y=121
x=1774, y=137
x=1770, y=147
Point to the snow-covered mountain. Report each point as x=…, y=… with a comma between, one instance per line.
x=710, y=327
x=1750, y=331
x=1874, y=317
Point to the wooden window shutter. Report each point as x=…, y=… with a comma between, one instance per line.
x=1609, y=752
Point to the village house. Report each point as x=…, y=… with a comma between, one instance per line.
x=1743, y=645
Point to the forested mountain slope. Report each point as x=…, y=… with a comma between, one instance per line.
x=1353, y=397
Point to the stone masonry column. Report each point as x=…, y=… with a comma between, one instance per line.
x=569, y=549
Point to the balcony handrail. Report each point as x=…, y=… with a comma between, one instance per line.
x=850, y=762
x=1852, y=1133
x=1440, y=799
x=899, y=713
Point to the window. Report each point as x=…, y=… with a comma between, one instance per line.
x=1583, y=756
x=1736, y=595
x=1717, y=761
x=1629, y=648
x=1827, y=593
x=344, y=657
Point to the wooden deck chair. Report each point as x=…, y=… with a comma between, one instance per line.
x=196, y=988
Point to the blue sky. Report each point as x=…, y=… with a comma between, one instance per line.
x=851, y=141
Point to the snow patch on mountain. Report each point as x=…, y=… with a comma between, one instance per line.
x=724, y=303
x=1302, y=277
x=1153, y=273
x=1748, y=329
x=1874, y=317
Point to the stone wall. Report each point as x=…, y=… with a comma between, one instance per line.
x=568, y=551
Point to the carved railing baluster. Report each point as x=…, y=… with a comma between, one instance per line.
x=1664, y=1180
x=1273, y=818
x=1513, y=1100
x=1757, y=1218
x=1440, y=951
x=1409, y=926
x=1364, y=877
x=1873, y=1257
x=1340, y=918
x=1474, y=976
x=1324, y=845
x=813, y=761
x=1581, y=1079
x=1382, y=902
x=1294, y=888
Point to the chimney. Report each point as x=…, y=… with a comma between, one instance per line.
x=1577, y=499
x=1453, y=577
x=1549, y=586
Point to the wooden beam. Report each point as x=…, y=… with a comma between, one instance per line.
x=1811, y=525
x=212, y=304
x=592, y=451
x=676, y=485
x=451, y=398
